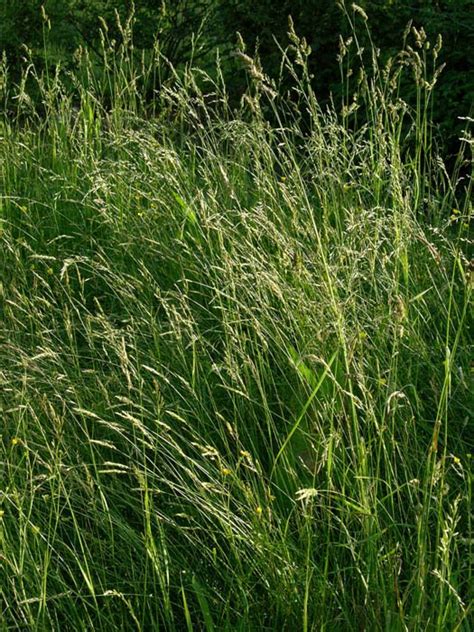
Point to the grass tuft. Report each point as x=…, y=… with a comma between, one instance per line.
x=236, y=366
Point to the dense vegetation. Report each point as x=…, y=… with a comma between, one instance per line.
x=194, y=29
x=236, y=363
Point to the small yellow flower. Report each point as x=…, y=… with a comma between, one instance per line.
x=16, y=441
x=258, y=510
x=245, y=454
x=456, y=460
x=50, y=271
x=225, y=471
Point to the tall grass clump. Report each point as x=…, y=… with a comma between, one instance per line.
x=236, y=360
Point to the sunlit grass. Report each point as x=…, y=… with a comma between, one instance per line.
x=235, y=361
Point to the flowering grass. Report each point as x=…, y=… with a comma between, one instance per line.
x=236, y=364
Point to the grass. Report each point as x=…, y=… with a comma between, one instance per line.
x=236, y=363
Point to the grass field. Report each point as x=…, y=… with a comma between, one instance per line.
x=236, y=364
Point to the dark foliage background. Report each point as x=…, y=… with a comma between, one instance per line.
x=74, y=23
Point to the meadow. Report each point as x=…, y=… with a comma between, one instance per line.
x=236, y=360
